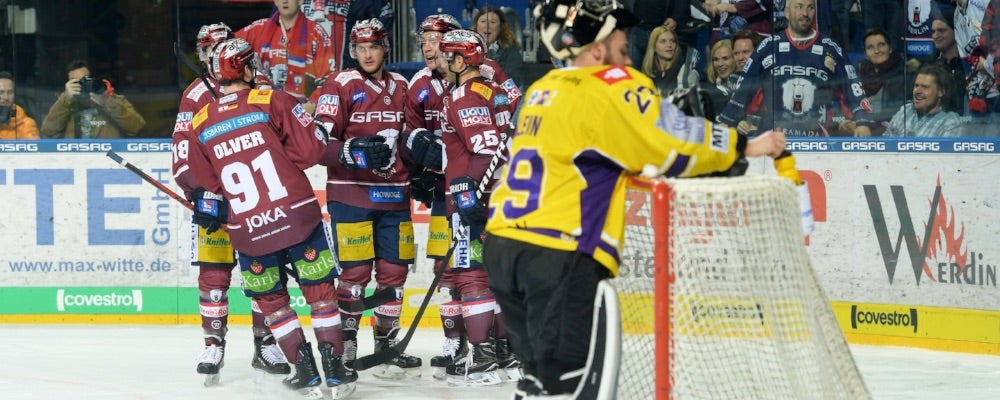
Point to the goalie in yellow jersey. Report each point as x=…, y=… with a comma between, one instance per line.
x=557, y=218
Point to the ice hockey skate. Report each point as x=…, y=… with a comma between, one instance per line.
x=267, y=357
x=339, y=379
x=452, y=349
x=402, y=367
x=510, y=366
x=306, y=378
x=210, y=361
x=478, y=368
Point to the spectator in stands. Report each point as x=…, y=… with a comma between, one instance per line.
x=501, y=42
x=14, y=122
x=653, y=14
x=729, y=16
x=336, y=17
x=883, y=76
x=744, y=42
x=670, y=64
x=721, y=67
x=925, y=116
x=886, y=14
x=947, y=55
x=88, y=108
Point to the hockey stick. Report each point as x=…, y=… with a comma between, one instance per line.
x=163, y=188
x=599, y=378
x=194, y=68
x=386, y=355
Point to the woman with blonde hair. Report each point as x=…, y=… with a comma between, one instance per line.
x=721, y=78
x=669, y=64
x=501, y=42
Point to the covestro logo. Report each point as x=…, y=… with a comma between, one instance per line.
x=882, y=318
x=99, y=302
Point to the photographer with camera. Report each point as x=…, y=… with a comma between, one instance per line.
x=14, y=122
x=90, y=109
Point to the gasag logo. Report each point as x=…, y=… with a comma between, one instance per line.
x=98, y=300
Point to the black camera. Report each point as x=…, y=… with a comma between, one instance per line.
x=6, y=113
x=86, y=85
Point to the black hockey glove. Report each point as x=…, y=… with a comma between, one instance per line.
x=693, y=101
x=425, y=148
x=211, y=210
x=369, y=152
x=470, y=208
x=422, y=187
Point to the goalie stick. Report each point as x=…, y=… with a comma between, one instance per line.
x=386, y=355
x=599, y=378
x=194, y=68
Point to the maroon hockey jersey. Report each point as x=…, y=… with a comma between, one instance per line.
x=196, y=96
x=353, y=104
x=252, y=146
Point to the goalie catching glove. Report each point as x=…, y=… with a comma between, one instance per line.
x=211, y=210
x=785, y=164
x=425, y=148
x=470, y=208
x=369, y=152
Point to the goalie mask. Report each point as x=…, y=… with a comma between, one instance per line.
x=208, y=36
x=229, y=58
x=369, y=31
x=464, y=43
x=567, y=26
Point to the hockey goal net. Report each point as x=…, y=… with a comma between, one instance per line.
x=719, y=300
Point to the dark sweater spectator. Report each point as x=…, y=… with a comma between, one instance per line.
x=883, y=76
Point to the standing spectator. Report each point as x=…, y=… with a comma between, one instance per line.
x=670, y=64
x=89, y=109
x=213, y=253
x=883, y=75
x=888, y=15
x=295, y=52
x=968, y=19
x=424, y=114
x=802, y=74
x=744, y=43
x=262, y=195
x=925, y=116
x=946, y=53
x=366, y=190
x=652, y=14
x=477, y=114
x=501, y=41
x=729, y=16
x=336, y=17
x=556, y=216
x=14, y=122
x=721, y=67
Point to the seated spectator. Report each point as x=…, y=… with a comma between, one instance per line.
x=501, y=42
x=90, y=109
x=883, y=76
x=721, y=68
x=669, y=64
x=14, y=122
x=925, y=116
x=744, y=43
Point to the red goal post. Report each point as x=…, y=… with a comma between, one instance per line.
x=718, y=298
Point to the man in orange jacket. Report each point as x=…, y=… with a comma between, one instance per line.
x=14, y=122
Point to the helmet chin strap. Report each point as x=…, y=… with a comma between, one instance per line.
x=458, y=74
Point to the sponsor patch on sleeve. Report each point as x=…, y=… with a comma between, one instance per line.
x=613, y=74
x=183, y=122
x=327, y=104
x=259, y=96
x=301, y=115
x=482, y=90
x=200, y=117
x=475, y=116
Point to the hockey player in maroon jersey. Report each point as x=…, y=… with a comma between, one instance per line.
x=477, y=114
x=248, y=156
x=366, y=189
x=213, y=254
x=423, y=123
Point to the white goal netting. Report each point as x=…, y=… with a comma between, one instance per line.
x=719, y=299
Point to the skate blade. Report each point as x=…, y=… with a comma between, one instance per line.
x=342, y=390
x=512, y=374
x=440, y=373
x=394, y=373
x=490, y=378
x=312, y=393
x=212, y=380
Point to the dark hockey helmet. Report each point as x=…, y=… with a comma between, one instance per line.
x=367, y=31
x=230, y=57
x=209, y=35
x=465, y=43
x=443, y=23
x=566, y=26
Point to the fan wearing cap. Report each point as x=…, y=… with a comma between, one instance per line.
x=556, y=215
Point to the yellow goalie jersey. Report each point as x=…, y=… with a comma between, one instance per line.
x=580, y=133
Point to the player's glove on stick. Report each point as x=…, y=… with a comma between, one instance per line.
x=463, y=193
x=425, y=148
x=369, y=152
x=422, y=187
x=211, y=210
